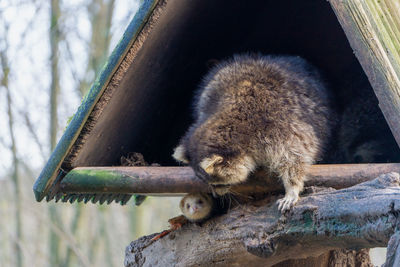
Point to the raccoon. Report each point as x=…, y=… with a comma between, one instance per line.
x=258, y=111
x=363, y=135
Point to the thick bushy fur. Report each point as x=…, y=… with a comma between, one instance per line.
x=258, y=111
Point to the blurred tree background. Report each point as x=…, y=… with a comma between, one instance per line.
x=50, y=54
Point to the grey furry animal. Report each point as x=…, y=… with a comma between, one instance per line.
x=255, y=111
x=364, y=136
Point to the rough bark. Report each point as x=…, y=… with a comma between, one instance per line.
x=393, y=252
x=334, y=258
x=256, y=234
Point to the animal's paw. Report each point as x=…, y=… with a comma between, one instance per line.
x=220, y=190
x=287, y=202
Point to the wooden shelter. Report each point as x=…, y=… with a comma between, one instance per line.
x=141, y=102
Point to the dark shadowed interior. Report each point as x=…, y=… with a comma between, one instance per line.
x=152, y=108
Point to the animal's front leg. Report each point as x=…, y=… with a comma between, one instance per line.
x=293, y=181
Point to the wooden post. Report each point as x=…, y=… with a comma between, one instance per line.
x=373, y=30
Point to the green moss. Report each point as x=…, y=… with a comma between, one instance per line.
x=106, y=181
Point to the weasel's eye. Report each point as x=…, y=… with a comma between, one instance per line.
x=200, y=201
x=187, y=206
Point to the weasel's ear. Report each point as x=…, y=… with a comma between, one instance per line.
x=180, y=154
x=208, y=164
x=181, y=203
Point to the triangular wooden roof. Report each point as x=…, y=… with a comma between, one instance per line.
x=141, y=100
x=373, y=30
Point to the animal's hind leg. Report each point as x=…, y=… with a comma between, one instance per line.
x=293, y=180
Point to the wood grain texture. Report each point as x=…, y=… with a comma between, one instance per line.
x=373, y=30
x=256, y=234
x=393, y=252
x=182, y=180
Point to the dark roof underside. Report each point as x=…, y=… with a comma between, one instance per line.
x=151, y=109
x=147, y=105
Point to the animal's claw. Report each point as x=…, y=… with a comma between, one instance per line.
x=287, y=202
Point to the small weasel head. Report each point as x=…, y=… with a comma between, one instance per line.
x=196, y=207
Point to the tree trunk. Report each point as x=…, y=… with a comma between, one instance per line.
x=54, y=244
x=100, y=13
x=15, y=171
x=256, y=234
x=334, y=258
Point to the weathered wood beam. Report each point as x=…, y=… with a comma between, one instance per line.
x=373, y=30
x=257, y=234
x=182, y=180
x=393, y=252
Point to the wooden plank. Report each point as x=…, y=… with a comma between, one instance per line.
x=182, y=180
x=373, y=30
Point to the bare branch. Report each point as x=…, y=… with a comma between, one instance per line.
x=32, y=131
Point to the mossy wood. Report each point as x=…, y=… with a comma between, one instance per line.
x=373, y=30
x=167, y=181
